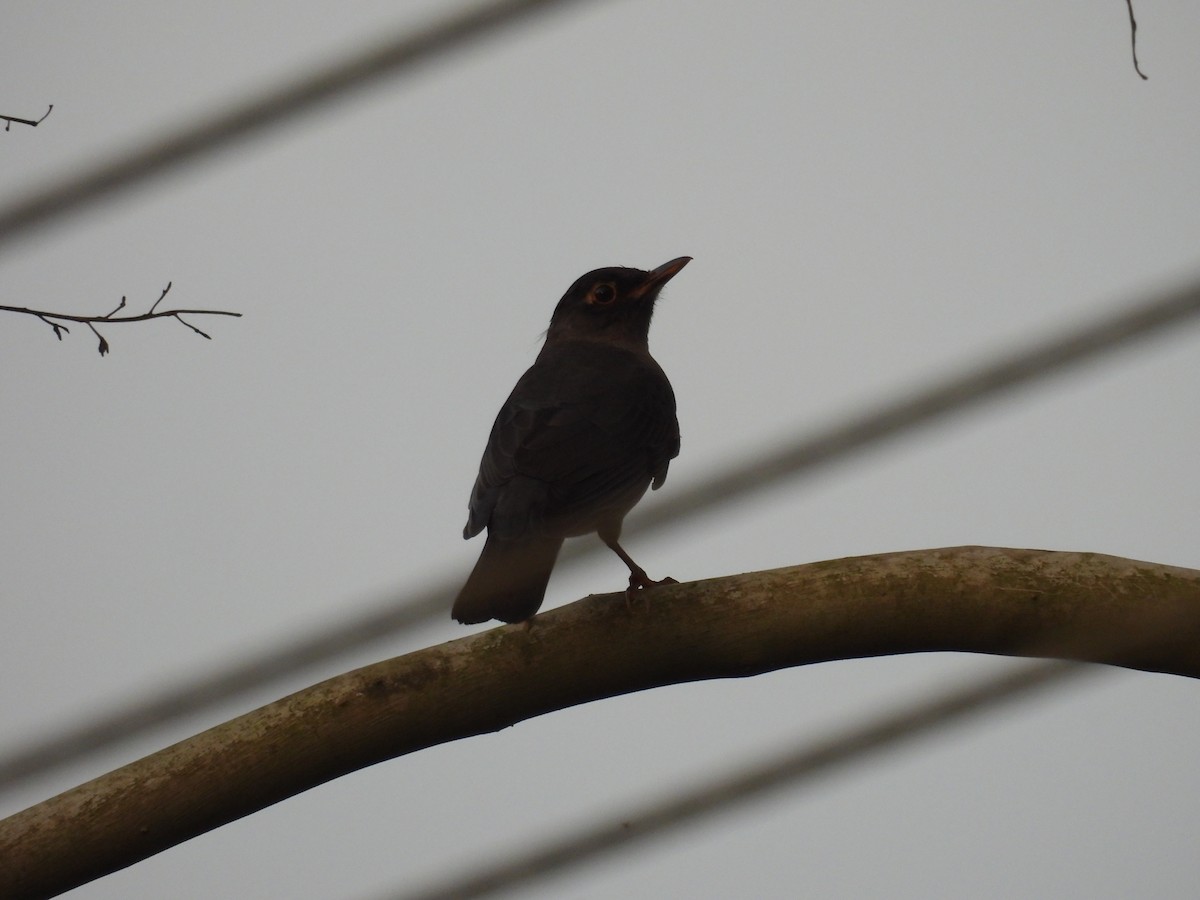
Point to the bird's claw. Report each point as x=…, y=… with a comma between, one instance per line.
x=640, y=581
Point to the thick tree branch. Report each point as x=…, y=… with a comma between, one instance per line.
x=1015, y=602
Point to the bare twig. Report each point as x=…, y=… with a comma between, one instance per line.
x=103, y=343
x=32, y=123
x=112, y=318
x=58, y=329
x=1133, y=40
x=160, y=297
x=193, y=327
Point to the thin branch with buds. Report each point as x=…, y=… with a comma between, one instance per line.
x=55, y=320
x=32, y=123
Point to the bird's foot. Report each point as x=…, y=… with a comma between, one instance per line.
x=640, y=581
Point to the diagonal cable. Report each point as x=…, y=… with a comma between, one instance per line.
x=268, y=110
x=792, y=768
x=890, y=418
x=757, y=781
x=384, y=621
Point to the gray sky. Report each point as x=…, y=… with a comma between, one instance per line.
x=874, y=194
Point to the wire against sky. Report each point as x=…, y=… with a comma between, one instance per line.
x=804, y=455
x=267, y=110
x=891, y=418
x=274, y=107
x=757, y=781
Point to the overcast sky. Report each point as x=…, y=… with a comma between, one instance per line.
x=874, y=194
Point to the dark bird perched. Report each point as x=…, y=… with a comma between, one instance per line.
x=586, y=430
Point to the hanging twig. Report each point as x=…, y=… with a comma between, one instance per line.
x=55, y=320
x=32, y=123
x=1133, y=40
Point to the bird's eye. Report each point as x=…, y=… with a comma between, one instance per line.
x=603, y=294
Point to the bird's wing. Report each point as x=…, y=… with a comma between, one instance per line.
x=583, y=428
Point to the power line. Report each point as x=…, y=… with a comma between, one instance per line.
x=965, y=390
x=268, y=110
x=756, y=781
x=1153, y=632
x=804, y=455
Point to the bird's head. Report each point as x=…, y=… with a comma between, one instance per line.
x=613, y=304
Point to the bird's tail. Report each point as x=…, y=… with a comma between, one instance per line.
x=509, y=581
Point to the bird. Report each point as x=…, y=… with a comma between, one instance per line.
x=586, y=430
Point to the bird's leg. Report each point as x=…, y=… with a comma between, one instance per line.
x=638, y=579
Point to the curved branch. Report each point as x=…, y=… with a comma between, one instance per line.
x=1079, y=606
